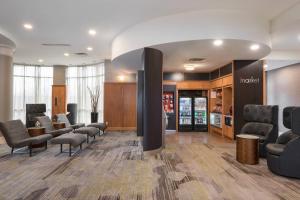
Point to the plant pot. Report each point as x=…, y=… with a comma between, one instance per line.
x=94, y=117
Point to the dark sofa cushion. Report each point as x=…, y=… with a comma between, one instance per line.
x=286, y=137
x=258, y=113
x=275, y=149
x=256, y=128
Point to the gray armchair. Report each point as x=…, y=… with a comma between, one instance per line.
x=261, y=121
x=283, y=157
x=64, y=119
x=17, y=136
x=46, y=122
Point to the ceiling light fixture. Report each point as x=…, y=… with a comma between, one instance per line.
x=40, y=60
x=121, y=78
x=66, y=54
x=92, y=32
x=265, y=66
x=189, y=68
x=89, y=48
x=218, y=43
x=27, y=26
x=254, y=47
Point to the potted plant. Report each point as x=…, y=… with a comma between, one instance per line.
x=94, y=95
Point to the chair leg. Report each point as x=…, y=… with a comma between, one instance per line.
x=61, y=148
x=80, y=146
x=87, y=139
x=30, y=150
x=12, y=151
x=46, y=145
x=70, y=150
x=94, y=137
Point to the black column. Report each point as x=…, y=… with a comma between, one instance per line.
x=152, y=60
x=248, y=88
x=140, y=102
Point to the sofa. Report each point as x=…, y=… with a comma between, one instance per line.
x=261, y=121
x=283, y=157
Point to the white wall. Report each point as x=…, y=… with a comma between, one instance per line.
x=112, y=73
x=283, y=88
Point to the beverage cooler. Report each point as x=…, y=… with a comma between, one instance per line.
x=193, y=109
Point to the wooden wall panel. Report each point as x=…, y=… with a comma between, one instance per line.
x=113, y=109
x=129, y=105
x=59, y=94
x=120, y=105
x=189, y=85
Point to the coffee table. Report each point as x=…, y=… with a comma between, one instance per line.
x=247, y=149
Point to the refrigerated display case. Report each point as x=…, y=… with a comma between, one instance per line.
x=193, y=111
x=185, y=111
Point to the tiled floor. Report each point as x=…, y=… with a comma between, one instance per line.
x=193, y=166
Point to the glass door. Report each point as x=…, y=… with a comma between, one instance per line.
x=185, y=111
x=200, y=111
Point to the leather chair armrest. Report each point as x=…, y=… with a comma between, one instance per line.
x=292, y=149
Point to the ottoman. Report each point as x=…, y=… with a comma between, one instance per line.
x=74, y=140
x=100, y=126
x=88, y=131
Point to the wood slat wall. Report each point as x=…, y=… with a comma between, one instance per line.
x=120, y=105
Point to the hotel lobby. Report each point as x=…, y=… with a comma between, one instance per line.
x=150, y=100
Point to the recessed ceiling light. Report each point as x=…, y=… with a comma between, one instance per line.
x=218, y=42
x=265, y=66
x=27, y=26
x=121, y=78
x=189, y=68
x=89, y=48
x=254, y=47
x=41, y=60
x=66, y=54
x=92, y=32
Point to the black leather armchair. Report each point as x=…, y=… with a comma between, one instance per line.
x=283, y=157
x=261, y=121
x=33, y=111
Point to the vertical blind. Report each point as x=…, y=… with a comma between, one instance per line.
x=79, y=78
x=32, y=84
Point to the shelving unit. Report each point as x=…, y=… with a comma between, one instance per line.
x=221, y=102
x=216, y=108
x=228, y=112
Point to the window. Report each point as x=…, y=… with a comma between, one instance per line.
x=32, y=84
x=79, y=78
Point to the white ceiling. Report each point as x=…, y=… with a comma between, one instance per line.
x=67, y=21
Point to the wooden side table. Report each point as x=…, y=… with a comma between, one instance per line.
x=36, y=131
x=247, y=149
x=59, y=125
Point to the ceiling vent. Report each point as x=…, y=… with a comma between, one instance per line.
x=81, y=54
x=196, y=59
x=56, y=45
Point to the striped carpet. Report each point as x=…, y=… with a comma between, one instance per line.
x=113, y=167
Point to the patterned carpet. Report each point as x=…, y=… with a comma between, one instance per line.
x=113, y=167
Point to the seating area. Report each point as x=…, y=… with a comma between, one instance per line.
x=150, y=100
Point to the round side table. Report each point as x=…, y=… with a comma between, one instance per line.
x=247, y=149
x=59, y=125
x=36, y=131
